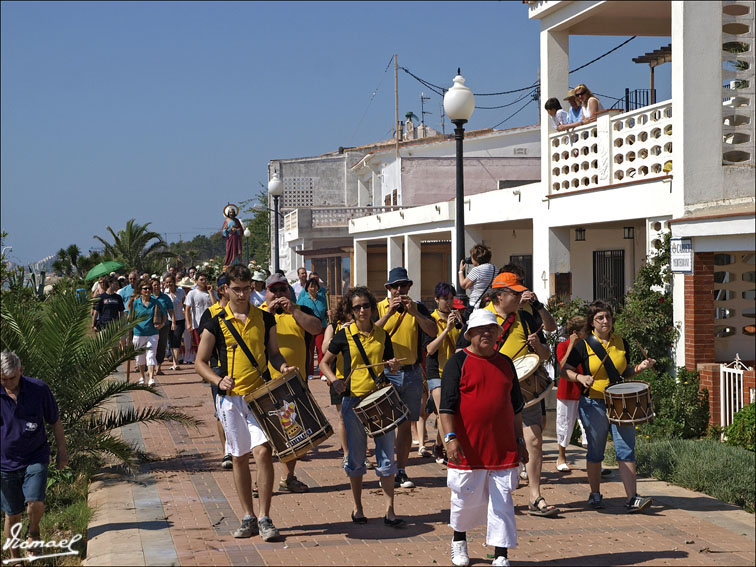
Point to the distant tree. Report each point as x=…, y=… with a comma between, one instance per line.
x=137, y=247
x=71, y=263
x=258, y=223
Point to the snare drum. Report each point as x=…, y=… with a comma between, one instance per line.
x=382, y=411
x=534, y=382
x=629, y=403
x=289, y=416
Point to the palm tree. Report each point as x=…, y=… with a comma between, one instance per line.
x=136, y=246
x=54, y=344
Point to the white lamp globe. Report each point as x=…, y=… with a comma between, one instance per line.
x=459, y=101
x=275, y=186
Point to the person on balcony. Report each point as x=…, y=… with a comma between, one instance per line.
x=574, y=114
x=591, y=105
x=558, y=116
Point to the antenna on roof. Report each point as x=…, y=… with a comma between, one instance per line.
x=423, y=98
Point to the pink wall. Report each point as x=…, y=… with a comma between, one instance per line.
x=430, y=180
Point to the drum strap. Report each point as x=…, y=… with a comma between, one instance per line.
x=231, y=329
x=598, y=349
x=505, y=332
x=358, y=344
x=396, y=327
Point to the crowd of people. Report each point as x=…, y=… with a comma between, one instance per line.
x=459, y=363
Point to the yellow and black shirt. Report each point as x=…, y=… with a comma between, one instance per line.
x=378, y=347
x=582, y=353
x=293, y=340
x=518, y=323
x=434, y=363
x=255, y=332
x=406, y=335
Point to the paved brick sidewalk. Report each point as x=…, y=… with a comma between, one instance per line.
x=180, y=510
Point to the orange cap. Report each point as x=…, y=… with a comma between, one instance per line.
x=507, y=279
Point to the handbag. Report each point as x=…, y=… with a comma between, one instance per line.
x=158, y=317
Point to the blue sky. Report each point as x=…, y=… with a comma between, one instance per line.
x=165, y=111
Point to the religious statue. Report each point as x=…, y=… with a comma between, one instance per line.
x=232, y=232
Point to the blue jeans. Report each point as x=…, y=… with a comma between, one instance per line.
x=409, y=384
x=21, y=486
x=593, y=415
x=357, y=444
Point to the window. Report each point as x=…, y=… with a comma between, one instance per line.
x=525, y=261
x=609, y=275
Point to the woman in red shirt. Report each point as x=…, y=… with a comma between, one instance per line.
x=568, y=393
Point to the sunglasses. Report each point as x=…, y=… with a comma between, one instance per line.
x=581, y=93
x=361, y=306
x=146, y=287
x=277, y=289
x=397, y=285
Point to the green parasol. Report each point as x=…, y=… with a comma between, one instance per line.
x=103, y=269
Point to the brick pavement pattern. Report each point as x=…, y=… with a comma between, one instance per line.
x=180, y=509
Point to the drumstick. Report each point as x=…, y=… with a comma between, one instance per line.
x=643, y=350
x=588, y=388
x=526, y=343
x=233, y=360
x=369, y=366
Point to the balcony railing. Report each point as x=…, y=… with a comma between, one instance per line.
x=337, y=217
x=617, y=148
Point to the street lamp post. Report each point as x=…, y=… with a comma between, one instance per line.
x=247, y=234
x=459, y=103
x=275, y=190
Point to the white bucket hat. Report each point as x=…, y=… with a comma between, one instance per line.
x=481, y=318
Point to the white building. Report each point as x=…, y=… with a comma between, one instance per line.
x=610, y=189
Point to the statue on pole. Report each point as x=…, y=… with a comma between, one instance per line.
x=232, y=232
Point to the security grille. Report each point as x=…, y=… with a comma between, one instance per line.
x=609, y=275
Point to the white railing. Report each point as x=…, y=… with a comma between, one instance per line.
x=617, y=148
x=341, y=216
x=731, y=394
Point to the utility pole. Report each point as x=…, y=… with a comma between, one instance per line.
x=396, y=103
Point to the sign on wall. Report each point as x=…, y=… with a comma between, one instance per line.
x=681, y=255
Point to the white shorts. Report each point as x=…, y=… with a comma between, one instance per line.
x=566, y=414
x=150, y=342
x=484, y=497
x=243, y=433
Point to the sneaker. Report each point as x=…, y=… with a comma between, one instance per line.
x=401, y=480
x=141, y=382
x=523, y=472
x=310, y=377
x=323, y=378
x=459, y=553
x=369, y=465
x=637, y=503
x=268, y=531
x=344, y=461
x=424, y=452
x=291, y=484
x=438, y=452
x=248, y=528
x=595, y=500
x=605, y=472
x=227, y=463
x=501, y=560
x=151, y=382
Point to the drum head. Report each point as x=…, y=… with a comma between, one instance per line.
x=633, y=387
x=526, y=365
x=370, y=398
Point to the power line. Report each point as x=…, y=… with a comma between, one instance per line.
x=372, y=96
x=513, y=114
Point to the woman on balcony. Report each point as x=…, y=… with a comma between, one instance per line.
x=591, y=105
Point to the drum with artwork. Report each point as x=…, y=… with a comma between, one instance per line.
x=629, y=403
x=289, y=415
x=382, y=411
x=534, y=382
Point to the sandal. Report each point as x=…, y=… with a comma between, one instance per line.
x=545, y=512
x=395, y=523
x=424, y=452
x=360, y=520
x=563, y=467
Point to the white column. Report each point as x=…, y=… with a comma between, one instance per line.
x=555, y=64
x=359, y=275
x=394, y=257
x=412, y=260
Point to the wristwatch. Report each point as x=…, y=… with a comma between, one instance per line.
x=449, y=436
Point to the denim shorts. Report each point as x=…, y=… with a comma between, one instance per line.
x=433, y=383
x=21, y=486
x=593, y=415
x=409, y=384
x=357, y=444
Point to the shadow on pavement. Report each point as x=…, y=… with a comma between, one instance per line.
x=624, y=558
x=124, y=526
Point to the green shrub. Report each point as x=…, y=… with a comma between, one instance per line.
x=742, y=432
x=682, y=409
x=704, y=465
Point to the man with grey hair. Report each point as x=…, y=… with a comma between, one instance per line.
x=25, y=405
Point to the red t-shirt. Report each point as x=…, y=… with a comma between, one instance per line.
x=484, y=396
x=567, y=390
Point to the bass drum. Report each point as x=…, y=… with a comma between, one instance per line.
x=535, y=383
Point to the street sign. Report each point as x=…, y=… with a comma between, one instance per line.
x=681, y=255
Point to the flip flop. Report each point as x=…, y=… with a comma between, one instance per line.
x=546, y=512
x=563, y=467
x=360, y=520
x=395, y=523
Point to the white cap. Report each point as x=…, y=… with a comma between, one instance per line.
x=481, y=318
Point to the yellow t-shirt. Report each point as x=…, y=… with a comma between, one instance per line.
x=449, y=345
x=516, y=337
x=291, y=342
x=404, y=331
x=615, y=348
x=377, y=347
x=235, y=363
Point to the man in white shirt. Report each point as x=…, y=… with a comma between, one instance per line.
x=196, y=302
x=300, y=283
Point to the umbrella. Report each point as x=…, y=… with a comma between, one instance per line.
x=102, y=269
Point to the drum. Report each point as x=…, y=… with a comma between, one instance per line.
x=629, y=403
x=534, y=381
x=382, y=411
x=289, y=416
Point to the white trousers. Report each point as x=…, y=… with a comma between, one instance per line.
x=484, y=497
x=150, y=342
x=566, y=414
